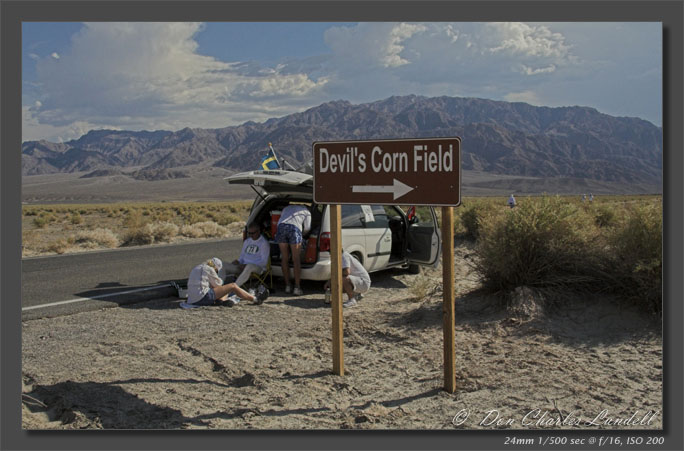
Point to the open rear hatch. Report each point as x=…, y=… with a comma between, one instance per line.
x=275, y=181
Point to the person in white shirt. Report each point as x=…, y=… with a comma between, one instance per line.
x=253, y=257
x=355, y=279
x=294, y=223
x=205, y=287
x=511, y=201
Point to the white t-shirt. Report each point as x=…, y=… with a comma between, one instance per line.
x=355, y=267
x=255, y=252
x=297, y=215
x=201, y=279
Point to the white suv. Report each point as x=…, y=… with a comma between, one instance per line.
x=379, y=236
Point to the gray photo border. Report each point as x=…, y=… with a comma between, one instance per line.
x=12, y=13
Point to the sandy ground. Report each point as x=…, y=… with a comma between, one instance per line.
x=587, y=365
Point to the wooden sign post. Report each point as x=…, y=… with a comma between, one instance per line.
x=336, y=288
x=448, y=308
x=413, y=171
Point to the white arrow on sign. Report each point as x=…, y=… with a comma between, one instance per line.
x=398, y=189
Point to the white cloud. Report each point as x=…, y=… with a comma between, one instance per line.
x=540, y=70
x=35, y=130
x=528, y=40
x=462, y=59
x=149, y=75
x=55, y=55
x=371, y=45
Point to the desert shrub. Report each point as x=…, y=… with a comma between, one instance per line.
x=40, y=222
x=134, y=219
x=470, y=220
x=637, y=257
x=422, y=287
x=604, y=215
x=473, y=213
x=163, y=231
x=58, y=246
x=163, y=215
x=76, y=218
x=191, y=217
x=226, y=219
x=138, y=236
x=97, y=237
x=205, y=229
x=542, y=243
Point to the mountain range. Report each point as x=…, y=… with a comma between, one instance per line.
x=513, y=139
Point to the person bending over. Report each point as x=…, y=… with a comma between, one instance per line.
x=294, y=223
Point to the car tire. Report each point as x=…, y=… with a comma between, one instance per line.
x=414, y=269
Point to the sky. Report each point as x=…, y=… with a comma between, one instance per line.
x=78, y=77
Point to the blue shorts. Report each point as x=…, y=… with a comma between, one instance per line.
x=288, y=233
x=208, y=299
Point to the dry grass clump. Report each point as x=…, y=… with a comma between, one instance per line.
x=543, y=243
x=605, y=215
x=138, y=236
x=59, y=246
x=636, y=245
x=43, y=219
x=227, y=218
x=163, y=231
x=99, y=237
x=206, y=229
x=472, y=214
x=150, y=233
x=134, y=219
x=550, y=243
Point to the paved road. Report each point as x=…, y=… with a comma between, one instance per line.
x=93, y=280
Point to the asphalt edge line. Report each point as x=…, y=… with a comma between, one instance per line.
x=71, y=301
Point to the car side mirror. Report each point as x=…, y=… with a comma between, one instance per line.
x=414, y=220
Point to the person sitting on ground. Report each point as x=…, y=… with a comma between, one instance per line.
x=205, y=287
x=294, y=223
x=355, y=279
x=253, y=257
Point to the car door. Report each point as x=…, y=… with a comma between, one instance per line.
x=354, y=232
x=424, y=241
x=378, y=236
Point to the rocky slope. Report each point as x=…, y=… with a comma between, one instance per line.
x=498, y=137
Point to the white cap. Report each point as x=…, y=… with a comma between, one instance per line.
x=217, y=263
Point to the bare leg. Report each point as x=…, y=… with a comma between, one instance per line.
x=228, y=288
x=348, y=287
x=285, y=262
x=296, y=261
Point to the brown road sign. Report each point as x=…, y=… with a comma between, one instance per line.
x=413, y=171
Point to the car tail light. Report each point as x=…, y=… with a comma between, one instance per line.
x=324, y=242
